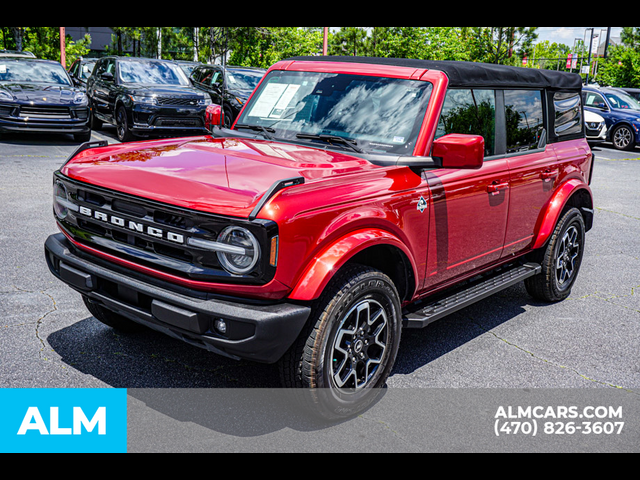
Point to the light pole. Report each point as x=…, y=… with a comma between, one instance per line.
x=606, y=46
x=63, y=46
x=325, y=48
x=590, y=53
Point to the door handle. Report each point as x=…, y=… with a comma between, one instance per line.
x=550, y=175
x=495, y=187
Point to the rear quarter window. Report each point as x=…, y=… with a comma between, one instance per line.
x=569, y=118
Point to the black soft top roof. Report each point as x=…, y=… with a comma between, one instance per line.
x=470, y=74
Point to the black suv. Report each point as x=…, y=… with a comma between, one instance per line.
x=145, y=97
x=229, y=87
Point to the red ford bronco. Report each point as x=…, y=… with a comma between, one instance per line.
x=353, y=197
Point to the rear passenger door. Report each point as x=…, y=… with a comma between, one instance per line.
x=470, y=208
x=532, y=163
x=104, y=88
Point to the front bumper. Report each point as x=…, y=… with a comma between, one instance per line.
x=15, y=125
x=14, y=118
x=255, y=331
x=158, y=120
x=597, y=135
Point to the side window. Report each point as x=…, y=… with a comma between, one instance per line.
x=196, y=75
x=471, y=112
x=100, y=68
x=111, y=67
x=568, y=114
x=218, y=79
x=524, y=117
x=206, y=77
x=594, y=100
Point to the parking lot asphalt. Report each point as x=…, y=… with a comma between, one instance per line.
x=49, y=340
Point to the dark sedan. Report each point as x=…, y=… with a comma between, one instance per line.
x=145, y=97
x=38, y=96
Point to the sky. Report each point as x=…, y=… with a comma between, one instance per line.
x=567, y=35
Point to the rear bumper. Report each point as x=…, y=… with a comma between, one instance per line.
x=257, y=332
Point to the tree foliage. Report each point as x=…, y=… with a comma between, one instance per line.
x=43, y=42
x=264, y=46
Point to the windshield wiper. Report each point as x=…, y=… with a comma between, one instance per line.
x=265, y=131
x=351, y=144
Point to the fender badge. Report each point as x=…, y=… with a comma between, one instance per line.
x=422, y=205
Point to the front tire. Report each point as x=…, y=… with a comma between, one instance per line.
x=122, y=125
x=561, y=260
x=345, y=356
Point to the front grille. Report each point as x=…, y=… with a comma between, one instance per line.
x=57, y=113
x=179, y=122
x=152, y=234
x=178, y=101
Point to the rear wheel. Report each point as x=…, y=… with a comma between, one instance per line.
x=561, y=260
x=346, y=354
x=623, y=138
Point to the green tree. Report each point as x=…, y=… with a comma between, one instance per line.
x=631, y=37
x=549, y=55
x=349, y=41
x=621, y=69
x=502, y=45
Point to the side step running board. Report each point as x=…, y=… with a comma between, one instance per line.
x=424, y=313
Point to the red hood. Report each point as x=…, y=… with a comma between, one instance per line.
x=223, y=176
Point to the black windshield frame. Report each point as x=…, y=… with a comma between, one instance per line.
x=380, y=115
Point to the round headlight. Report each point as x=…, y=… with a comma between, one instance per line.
x=242, y=238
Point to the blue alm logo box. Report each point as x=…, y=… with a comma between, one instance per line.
x=63, y=421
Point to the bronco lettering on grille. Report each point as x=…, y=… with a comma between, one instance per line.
x=133, y=226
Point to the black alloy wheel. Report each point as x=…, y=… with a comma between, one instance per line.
x=561, y=260
x=122, y=125
x=343, y=359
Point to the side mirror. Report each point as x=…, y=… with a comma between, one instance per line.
x=214, y=117
x=107, y=77
x=459, y=151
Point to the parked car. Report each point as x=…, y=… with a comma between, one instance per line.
x=354, y=197
x=187, y=66
x=15, y=53
x=230, y=87
x=596, y=128
x=634, y=92
x=145, y=97
x=38, y=96
x=621, y=113
x=81, y=70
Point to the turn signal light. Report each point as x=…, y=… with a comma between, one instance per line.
x=273, y=259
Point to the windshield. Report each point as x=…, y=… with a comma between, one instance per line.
x=152, y=73
x=243, y=80
x=24, y=71
x=623, y=101
x=382, y=115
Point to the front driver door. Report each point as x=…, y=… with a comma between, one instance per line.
x=470, y=208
